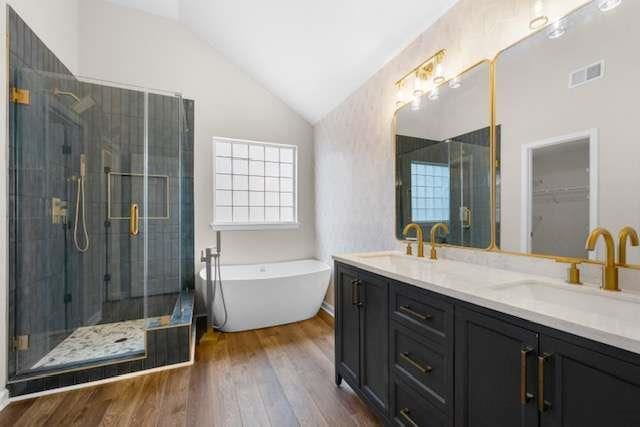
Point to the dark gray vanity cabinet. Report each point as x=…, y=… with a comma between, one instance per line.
x=419, y=358
x=495, y=372
x=587, y=386
x=347, y=324
x=362, y=334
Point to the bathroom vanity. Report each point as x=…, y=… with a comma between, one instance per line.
x=443, y=343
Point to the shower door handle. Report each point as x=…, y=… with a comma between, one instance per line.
x=134, y=220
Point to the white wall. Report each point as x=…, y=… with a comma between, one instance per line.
x=129, y=46
x=354, y=149
x=56, y=23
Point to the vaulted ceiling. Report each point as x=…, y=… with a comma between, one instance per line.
x=311, y=54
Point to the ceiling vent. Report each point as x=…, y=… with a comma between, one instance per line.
x=586, y=74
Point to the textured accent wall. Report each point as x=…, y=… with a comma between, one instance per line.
x=353, y=144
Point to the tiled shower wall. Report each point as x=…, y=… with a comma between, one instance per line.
x=53, y=287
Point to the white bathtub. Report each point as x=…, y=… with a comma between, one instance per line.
x=262, y=295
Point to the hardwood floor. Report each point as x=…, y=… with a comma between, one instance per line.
x=280, y=376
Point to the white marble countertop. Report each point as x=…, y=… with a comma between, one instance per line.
x=611, y=318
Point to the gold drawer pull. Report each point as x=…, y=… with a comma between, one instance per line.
x=405, y=414
x=423, y=369
x=542, y=404
x=408, y=310
x=524, y=395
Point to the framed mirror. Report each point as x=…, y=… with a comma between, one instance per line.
x=568, y=146
x=443, y=159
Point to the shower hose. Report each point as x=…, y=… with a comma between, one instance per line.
x=213, y=284
x=79, y=194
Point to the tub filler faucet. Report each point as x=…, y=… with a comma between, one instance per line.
x=214, y=281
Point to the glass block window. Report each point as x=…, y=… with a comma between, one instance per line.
x=255, y=183
x=429, y=192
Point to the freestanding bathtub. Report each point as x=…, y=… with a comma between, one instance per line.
x=262, y=295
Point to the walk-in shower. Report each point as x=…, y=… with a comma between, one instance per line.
x=101, y=223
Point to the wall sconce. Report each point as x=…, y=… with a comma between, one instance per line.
x=538, y=16
x=429, y=70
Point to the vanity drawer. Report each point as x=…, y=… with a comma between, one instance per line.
x=423, y=364
x=410, y=409
x=421, y=311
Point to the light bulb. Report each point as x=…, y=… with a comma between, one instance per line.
x=538, y=17
x=401, y=96
x=415, y=103
x=558, y=29
x=607, y=5
x=434, y=94
x=439, y=75
x=455, y=83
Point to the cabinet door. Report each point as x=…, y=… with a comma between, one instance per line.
x=374, y=302
x=495, y=373
x=347, y=326
x=584, y=388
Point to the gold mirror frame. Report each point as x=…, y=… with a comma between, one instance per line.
x=394, y=127
x=493, y=247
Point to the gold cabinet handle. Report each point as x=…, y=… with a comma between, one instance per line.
x=408, y=310
x=524, y=396
x=134, y=220
x=424, y=369
x=405, y=414
x=354, y=289
x=542, y=405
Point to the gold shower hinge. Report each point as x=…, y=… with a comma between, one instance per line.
x=20, y=96
x=21, y=342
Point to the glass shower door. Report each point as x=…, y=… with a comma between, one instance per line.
x=78, y=244
x=470, y=194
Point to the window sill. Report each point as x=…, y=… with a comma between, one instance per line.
x=255, y=227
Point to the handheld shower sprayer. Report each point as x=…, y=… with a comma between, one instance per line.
x=214, y=281
x=80, y=195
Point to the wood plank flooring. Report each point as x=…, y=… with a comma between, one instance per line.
x=280, y=376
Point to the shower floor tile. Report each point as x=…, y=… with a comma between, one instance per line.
x=92, y=343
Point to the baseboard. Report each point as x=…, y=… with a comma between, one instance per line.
x=4, y=398
x=328, y=308
x=326, y=313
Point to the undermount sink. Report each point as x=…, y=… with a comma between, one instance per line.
x=394, y=261
x=557, y=299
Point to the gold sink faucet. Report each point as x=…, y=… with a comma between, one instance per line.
x=419, y=236
x=610, y=270
x=627, y=233
x=434, y=230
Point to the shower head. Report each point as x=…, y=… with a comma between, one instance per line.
x=80, y=105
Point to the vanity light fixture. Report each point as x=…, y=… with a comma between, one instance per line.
x=607, y=5
x=439, y=75
x=455, y=82
x=430, y=71
x=401, y=95
x=558, y=29
x=538, y=17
